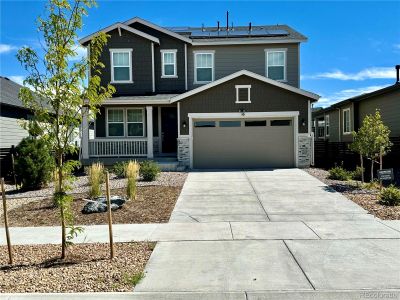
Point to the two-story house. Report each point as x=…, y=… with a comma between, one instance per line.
x=209, y=97
x=337, y=122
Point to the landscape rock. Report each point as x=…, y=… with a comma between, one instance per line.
x=99, y=205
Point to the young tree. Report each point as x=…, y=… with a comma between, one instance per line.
x=58, y=94
x=358, y=145
x=372, y=140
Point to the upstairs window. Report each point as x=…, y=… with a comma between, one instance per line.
x=243, y=93
x=276, y=64
x=168, y=63
x=203, y=67
x=121, y=65
x=115, y=122
x=346, y=121
x=327, y=125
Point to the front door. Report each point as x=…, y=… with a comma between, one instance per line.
x=169, y=129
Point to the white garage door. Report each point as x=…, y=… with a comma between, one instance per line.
x=238, y=143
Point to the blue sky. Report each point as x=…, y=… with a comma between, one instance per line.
x=352, y=47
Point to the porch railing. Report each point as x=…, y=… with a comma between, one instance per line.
x=118, y=147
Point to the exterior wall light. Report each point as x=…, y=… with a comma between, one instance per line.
x=184, y=124
x=303, y=122
x=242, y=111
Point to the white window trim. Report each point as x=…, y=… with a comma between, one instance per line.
x=212, y=52
x=121, y=50
x=125, y=122
x=143, y=121
x=173, y=51
x=344, y=121
x=284, y=50
x=327, y=125
x=248, y=87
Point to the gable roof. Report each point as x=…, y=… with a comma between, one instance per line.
x=120, y=26
x=361, y=97
x=285, y=86
x=159, y=28
x=9, y=91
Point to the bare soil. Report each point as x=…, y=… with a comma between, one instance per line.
x=87, y=268
x=153, y=204
x=353, y=190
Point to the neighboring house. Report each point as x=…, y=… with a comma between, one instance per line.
x=11, y=112
x=337, y=122
x=208, y=97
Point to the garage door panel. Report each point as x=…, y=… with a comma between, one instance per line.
x=243, y=147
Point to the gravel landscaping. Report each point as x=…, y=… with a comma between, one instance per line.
x=87, y=268
x=366, y=198
x=153, y=204
x=80, y=187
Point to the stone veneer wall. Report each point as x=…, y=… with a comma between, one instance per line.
x=305, y=150
x=183, y=151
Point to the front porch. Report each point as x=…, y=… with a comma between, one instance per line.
x=132, y=132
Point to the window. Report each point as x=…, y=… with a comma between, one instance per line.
x=321, y=128
x=281, y=122
x=346, y=121
x=276, y=64
x=115, y=120
x=243, y=93
x=168, y=63
x=230, y=124
x=255, y=123
x=327, y=125
x=134, y=121
x=204, y=124
x=203, y=67
x=121, y=65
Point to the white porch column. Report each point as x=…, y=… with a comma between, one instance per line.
x=149, y=114
x=85, y=133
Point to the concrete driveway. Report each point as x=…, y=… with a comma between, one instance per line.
x=280, y=230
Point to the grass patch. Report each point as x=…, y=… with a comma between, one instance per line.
x=133, y=279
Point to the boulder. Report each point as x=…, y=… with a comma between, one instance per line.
x=99, y=205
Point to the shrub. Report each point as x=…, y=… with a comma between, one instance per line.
x=390, y=196
x=119, y=169
x=96, y=178
x=34, y=163
x=131, y=172
x=357, y=173
x=149, y=170
x=373, y=185
x=339, y=173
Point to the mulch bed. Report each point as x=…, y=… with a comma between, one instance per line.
x=366, y=198
x=154, y=204
x=87, y=268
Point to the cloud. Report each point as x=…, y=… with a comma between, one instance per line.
x=81, y=53
x=369, y=73
x=17, y=78
x=397, y=46
x=327, y=100
x=5, y=48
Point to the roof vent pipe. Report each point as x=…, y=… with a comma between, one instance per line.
x=218, y=26
x=397, y=73
x=250, y=26
x=227, y=20
x=202, y=27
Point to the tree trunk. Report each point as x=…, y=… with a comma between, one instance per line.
x=61, y=191
x=380, y=161
x=362, y=168
x=372, y=170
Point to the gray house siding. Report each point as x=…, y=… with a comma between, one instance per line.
x=389, y=107
x=233, y=58
x=264, y=98
x=141, y=63
x=166, y=85
x=11, y=132
x=333, y=126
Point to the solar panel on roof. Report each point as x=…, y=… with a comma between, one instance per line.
x=238, y=33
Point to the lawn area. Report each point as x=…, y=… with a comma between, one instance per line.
x=87, y=268
x=353, y=190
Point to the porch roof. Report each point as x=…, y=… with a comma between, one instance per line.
x=153, y=99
